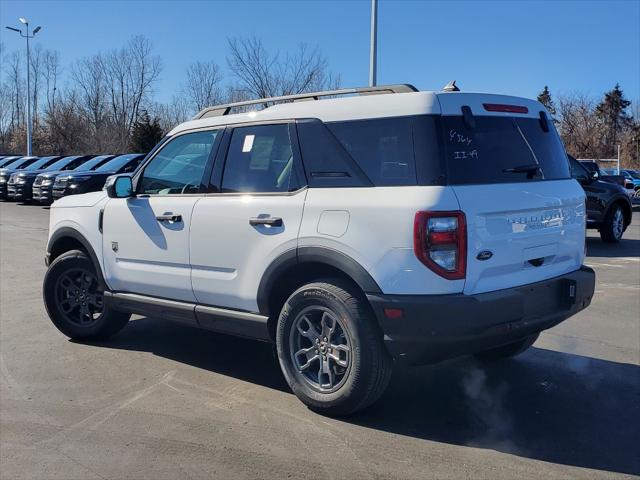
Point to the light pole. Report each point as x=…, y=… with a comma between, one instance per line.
x=373, y=53
x=27, y=36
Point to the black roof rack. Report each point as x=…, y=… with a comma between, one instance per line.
x=225, y=109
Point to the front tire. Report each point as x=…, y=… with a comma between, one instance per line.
x=509, y=350
x=330, y=349
x=74, y=299
x=613, y=225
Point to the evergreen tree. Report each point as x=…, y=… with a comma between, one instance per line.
x=544, y=97
x=146, y=133
x=612, y=112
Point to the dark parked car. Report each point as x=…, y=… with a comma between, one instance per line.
x=93, y=180
x=41, y=190
x=26, y=178
x=633, y=177
x=608, y=205
x=19, y=183
x=86, y=168
x=6, y=172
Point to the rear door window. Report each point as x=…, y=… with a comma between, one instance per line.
x=260, y=159
x=502, y=150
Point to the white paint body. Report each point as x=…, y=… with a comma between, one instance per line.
x=215, y=257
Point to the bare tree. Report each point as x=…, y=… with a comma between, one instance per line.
x=90, y=94
x=35, y=66
x=579, y=126
x=6, y=102
x=203, y=85
x=51, y=72
x=111, y=89
x=17, y=87
x=171, y=114
x=130, y=73
x=263, y=74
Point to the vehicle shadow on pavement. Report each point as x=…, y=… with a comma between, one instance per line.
x=249, y=360
x=627, y=247
x=546, y=405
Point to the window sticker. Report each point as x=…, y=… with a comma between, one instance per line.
x=248, y=143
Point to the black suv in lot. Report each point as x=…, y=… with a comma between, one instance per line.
x=91, y=180
x=20, y=182
x=608, y=205
x=12, y=167
x=43, y=181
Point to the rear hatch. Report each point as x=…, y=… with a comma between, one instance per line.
x=506, y=164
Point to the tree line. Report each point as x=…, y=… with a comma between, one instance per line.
x=105, y=102
x=594, y=128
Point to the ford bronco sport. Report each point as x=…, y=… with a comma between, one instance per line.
x=382, y=224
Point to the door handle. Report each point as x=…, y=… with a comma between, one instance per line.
x=270, y=221
x=169, y=217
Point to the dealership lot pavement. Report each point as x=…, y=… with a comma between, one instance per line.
x=162, y=400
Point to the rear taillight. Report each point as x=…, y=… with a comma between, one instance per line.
x=440, y=242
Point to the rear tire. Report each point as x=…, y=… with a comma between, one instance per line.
x=613, y=225
x=509, y=350
x=74, y=299
x=330, y=348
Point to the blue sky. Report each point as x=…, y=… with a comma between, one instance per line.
x=500, y=46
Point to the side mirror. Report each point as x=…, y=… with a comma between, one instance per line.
x=595, y=175
x=119, y=186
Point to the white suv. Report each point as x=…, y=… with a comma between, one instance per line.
x=381, y=224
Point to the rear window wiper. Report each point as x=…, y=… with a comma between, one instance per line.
x=531, y=169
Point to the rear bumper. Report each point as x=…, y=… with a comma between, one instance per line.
x=437, y=327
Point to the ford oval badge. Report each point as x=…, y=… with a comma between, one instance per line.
x=484, y=255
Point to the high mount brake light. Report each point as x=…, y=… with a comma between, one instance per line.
x=440, y=242
x=499, y=107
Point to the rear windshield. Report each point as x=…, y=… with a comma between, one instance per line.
x=502, y=150
x=434, y=150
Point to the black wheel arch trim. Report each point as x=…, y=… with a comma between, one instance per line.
x=71, y=233
x=318, y=255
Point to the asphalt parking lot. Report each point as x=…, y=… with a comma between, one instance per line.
x=162, y=400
